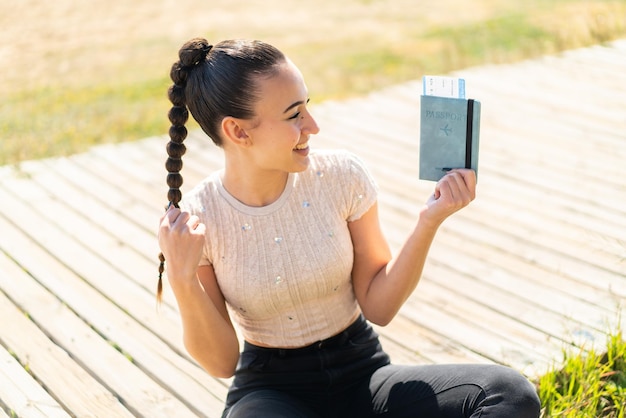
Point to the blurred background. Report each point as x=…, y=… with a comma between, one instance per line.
x=75, y=74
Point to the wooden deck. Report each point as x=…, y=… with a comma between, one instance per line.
x=536, y=263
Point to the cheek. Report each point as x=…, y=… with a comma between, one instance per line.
x=296, y=131
x=289, y=135
x=283, y=136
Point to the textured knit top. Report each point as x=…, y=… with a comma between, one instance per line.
x=285, y=268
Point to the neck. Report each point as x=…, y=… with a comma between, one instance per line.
x=254, y=187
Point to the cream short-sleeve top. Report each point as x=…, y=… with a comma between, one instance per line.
x=285, y=269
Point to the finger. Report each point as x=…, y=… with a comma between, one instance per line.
x=457, y=185
x=181, y=220
x=463, y=184
x=200, y=229
x=448, y=187
x=453, y=192
x=469, y=177
x=193, y=222
x=171, y=214
x=469, y=184
x=442, y=187
x=437, y=192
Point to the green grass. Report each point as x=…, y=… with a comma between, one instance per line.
x=502, y=39
x=587, y=384
x=69, y=120
x=70, y=116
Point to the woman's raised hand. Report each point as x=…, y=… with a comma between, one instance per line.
x=452, y=192
x=181, y=238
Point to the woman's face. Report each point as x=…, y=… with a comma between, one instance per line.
x=280, y=131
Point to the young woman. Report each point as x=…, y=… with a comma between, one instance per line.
x=286, y=241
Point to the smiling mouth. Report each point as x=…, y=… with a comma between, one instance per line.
x=302, y=146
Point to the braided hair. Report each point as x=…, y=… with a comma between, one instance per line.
x=211, y=82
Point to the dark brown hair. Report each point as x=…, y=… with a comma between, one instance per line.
x=211, y=82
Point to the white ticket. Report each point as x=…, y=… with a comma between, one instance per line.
x=441, y=86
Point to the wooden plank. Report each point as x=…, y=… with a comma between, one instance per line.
x=4, y=414
x=148, y=184
x=404, y=336
x=20, y=393
x=70, y=220
x=572, y=241
x=547, y=91
x=503, y=270
x=431, y=346
x=549, y=259
x=153, y=355
x=117, y=235
x=492, y=344
x=98, y=356
x=65, y=379
x=570, y=245
x=85, y=262
x=550, y=290
x=462, y=281
x=449, y=292
x=541, y=324
x=562, y=217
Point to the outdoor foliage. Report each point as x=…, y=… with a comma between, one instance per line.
x=588, y=384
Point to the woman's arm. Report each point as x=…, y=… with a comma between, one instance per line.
x=383, y=284
x=208, y=333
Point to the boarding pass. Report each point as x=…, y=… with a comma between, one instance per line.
x=442, y=86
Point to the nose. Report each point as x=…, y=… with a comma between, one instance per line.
x=310, y=125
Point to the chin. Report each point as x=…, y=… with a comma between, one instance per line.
x=301, y=165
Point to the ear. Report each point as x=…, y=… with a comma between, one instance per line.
x=234, y=131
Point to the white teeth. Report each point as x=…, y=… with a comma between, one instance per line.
x=302, y=146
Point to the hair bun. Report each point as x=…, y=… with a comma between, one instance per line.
x=194, y=51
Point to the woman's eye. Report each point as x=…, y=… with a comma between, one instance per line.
x=295, y=116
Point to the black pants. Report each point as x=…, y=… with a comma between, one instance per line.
x=349, y=375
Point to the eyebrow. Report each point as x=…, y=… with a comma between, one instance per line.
x=296, y=104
